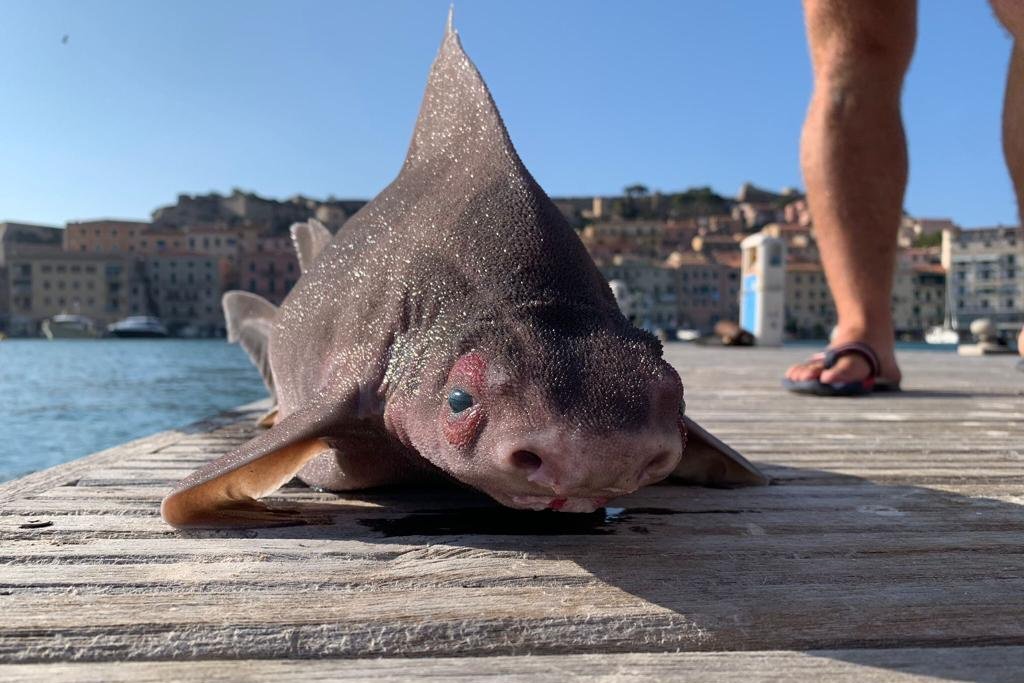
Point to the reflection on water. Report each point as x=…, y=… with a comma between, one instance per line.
x=63, y=399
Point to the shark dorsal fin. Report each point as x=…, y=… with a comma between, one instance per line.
x=458, y=119
x=309, y=239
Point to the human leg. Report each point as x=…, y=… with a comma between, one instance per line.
x=854, y=159
x=1011, y=15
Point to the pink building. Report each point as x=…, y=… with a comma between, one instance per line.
x=270, y=269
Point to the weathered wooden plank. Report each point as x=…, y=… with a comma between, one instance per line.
x=895, y=522
x=908, y=665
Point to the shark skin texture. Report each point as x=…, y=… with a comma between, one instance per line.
x=454, y=329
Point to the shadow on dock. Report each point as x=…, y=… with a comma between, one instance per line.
x=829, y=563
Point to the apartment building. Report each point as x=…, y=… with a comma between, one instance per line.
x=985, y=270
x=103, y=236
x=105, y=288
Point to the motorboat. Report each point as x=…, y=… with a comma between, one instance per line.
x=69, y=326
x=138, y=327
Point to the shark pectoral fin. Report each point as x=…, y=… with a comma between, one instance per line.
x=268, y=419
x=225, y=492
x=309, y=238
x=707, y=461
x=250, y=320
x=232, y=498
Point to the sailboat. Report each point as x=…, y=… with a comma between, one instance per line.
x=945, y=333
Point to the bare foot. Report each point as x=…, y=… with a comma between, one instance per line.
x=851, y=367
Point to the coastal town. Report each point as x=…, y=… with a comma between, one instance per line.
x=675, y=255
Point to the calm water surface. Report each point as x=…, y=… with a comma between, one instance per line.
x=60, y=400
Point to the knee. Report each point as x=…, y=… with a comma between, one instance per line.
x=860, y=43
x=863, y=61
x=1011, y=15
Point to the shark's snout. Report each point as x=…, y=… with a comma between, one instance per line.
x=591, y=468
x=567, y=469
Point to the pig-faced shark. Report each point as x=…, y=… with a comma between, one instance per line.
x=455, y=326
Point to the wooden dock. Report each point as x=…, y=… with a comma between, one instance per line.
x=891, y=547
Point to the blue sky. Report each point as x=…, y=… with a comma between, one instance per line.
x=148, y=99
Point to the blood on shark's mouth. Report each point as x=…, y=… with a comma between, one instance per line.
x=582, y=503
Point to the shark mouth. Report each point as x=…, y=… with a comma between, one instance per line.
x=562, y=504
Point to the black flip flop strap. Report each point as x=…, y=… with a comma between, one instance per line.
x=832, y=355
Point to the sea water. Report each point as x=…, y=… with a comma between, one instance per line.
x=63, y=399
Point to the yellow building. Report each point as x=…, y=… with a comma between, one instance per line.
x=104, y=288
x=104, y=236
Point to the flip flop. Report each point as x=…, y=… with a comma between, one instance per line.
x=828, y=358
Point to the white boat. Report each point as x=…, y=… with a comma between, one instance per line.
x=69, y=326
x=940, y=334
x=138, y=326
x=946, y=332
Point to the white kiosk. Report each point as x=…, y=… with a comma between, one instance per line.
x=763, y=288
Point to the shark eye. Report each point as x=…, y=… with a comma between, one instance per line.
x=459, y=400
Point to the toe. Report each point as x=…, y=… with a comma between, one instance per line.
x=849, y=368
x=803, y=372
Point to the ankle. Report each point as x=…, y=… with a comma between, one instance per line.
x=881, y=337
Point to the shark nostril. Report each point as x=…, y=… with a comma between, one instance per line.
x=526, y=461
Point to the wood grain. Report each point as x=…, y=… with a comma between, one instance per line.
x=890, y=547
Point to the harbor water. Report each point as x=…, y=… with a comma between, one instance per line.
x=63, y=399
